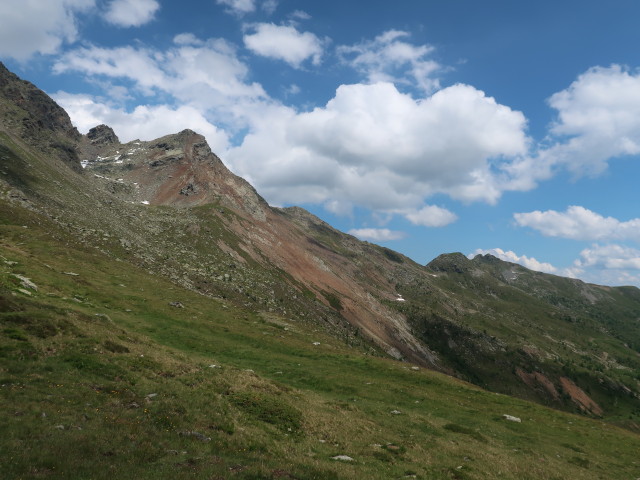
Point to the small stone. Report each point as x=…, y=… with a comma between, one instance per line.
x=213, y=365
x=511, y=418
x=316, y=343
x=59, y=427
x=395, y=412
x=415, y=368
x=342, y=458
x=152, y=395
x=26, y=282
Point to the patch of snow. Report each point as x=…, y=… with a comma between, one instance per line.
x=84, y=163
x=145, y=202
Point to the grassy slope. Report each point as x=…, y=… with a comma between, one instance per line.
x=100, y=378
x=487, y=328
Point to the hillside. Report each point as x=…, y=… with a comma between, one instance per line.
x=131, y=272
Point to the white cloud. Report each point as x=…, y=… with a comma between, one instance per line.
x=388, y=58
x=183, y=72
x=131, y=13
x=617, y=257
x=376, y=147
x=284, y=43
x=431, y=216
x=597, y=121
x=238, y=7
x=376, y=234
x=28, y=27
x=187, y=39
x=144, y=122
x=299, y=15
x=579, y=223
x=510, y=256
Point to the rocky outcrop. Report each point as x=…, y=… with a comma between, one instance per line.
x=102, y=135
x=35, y=117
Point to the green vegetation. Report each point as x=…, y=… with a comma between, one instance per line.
x=102, y=377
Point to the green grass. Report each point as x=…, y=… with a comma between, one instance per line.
x=101, y=377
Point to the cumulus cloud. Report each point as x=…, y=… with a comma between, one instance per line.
x=131, y=13
x=609, y=264
x=510, y=256
x=285, y=43
x=388, y=58
x=431, y=216
x=579, y=223
x=28, y=27
x=597, y=120
x=377, y=234
x=609, y=257
x=144, y=122
x=374, y=146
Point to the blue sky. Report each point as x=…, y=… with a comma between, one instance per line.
x=500, y=127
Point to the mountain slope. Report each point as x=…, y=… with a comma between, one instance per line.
x=109, y=371
x=170, y=207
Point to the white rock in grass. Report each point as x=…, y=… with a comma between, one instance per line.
x=511, y=418
x=396, y=412
x=342, y=458
x=26, y=282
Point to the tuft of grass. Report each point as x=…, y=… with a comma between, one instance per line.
x=269, y=409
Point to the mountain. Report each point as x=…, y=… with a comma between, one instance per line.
x=143, y=266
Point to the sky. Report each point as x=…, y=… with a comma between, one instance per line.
x=502, y=127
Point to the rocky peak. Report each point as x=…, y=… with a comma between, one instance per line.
x=102, y=135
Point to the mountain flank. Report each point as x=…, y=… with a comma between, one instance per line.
x=172, y=208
